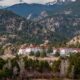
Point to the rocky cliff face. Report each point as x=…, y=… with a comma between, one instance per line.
x=74, y=41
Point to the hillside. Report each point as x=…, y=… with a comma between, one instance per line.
x=75, y=40
x=58, y=27
x=9, y=25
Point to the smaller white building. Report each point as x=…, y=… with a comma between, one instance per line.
x=66, y=51
x=54, y=51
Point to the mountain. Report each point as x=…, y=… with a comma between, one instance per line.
x=57, y=26
x=35, y=10
x=16, y=29
x=27, y=9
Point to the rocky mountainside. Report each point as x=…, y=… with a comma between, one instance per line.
x=75, y=40
x=8, y=21
x=56, y=26
x=14, y=28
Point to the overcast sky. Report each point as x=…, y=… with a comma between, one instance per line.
x=11, y=2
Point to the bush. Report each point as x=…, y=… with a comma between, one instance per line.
x=2, y=63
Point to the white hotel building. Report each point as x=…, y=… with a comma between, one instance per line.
x=27, y=50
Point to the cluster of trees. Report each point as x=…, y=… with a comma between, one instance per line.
x=36, y=65
x=39, y=54
x=74, y=66
x=13, y=68
x=45, y=53
x=5, y=73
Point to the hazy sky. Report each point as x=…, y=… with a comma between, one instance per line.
x=11, y=2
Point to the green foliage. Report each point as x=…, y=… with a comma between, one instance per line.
x=44, y=66
x=37, y=65
x=31, y=53
x=25, y=58
x=1, y=51
x=1, y=74
x=5, y=73
x=50, y=50
x=14, y=63
x=43, y=54
x=75, y=64
x=2, y=63
x=56, y=66
x=37, y=54
x=57, y=54
x=28, y=63
x=8, y=73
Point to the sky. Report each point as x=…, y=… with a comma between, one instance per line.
x=11, y=2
